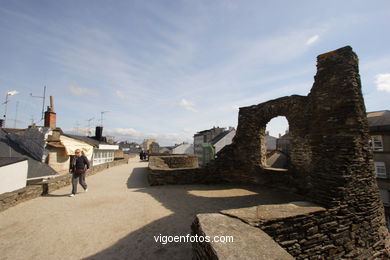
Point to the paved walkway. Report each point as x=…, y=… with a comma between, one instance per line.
x=118, y=217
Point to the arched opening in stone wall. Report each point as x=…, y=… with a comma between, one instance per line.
x=277, y=140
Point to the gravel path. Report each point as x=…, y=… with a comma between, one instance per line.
x=118, y=217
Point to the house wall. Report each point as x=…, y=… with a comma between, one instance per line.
x=183, y=149
x=204, y=137
x=13, y=176
x=386, y=140
x=226, y=140
x=198, y=150
x=146, y=144
x=270, y=142
x=384, y=183
x=59, y=160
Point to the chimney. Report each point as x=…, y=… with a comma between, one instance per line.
x=99, y=133
x=50, y=115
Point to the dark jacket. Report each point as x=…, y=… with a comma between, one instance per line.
x=80, y=163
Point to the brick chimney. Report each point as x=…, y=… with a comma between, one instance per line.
x=50, y=115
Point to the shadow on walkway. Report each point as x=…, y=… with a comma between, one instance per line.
x=185, y=201
x=56, y=195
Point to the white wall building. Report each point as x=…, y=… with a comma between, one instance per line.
x=13, y=173
x=225, y=140
x=183, y=149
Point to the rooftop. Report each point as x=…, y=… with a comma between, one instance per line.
x=9, y=149
x=87, y=139
x=378, y=118
x=4, y=161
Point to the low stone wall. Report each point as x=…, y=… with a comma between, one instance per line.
x=13, y=198
x=174, y=169
x=238, y=240
x=175, y=176
x=174, y=161
x=330, y=234
x=304, y=230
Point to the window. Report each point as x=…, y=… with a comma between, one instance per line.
x=377, y=144
x=103, y=157
x=380, y=169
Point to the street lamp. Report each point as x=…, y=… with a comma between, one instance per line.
x=9, y=93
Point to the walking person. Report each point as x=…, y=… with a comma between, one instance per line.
x=80, y=165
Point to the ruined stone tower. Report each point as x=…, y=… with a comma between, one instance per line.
x=331, y=157
x=331, y=166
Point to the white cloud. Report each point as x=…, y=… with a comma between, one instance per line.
x=121, y=95
x=312, y=39
x=383, y=82
x=134, y=135
x=187, y=105
x=82, y=91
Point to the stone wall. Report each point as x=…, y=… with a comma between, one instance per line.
x=252, y=243
x=173, y=161
x=331, y=159
x=307, y=230
x=174, y=169
x=13, y=198
x=330, y=234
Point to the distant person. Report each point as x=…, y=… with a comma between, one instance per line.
x=80, y=165
x=141, y=155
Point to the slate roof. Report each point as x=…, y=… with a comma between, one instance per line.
x=86, y=139
x=4, y=161
x=36, y=169
x=379, y=118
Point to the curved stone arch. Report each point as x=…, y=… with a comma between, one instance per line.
x=252, y=125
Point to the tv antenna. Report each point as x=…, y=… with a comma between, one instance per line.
x=9, y=93
x=16, y=113
x=77, y=127
x=43, y=101
x=89, y=126
x=101, y=117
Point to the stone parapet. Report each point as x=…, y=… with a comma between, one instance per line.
x=304, y=230
x=13, y=198
x=174, y=169
x=241, y=241
x=173, y=162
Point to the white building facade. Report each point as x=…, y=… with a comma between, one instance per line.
x=13, y=174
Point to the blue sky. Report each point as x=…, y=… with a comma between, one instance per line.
x=168, y=69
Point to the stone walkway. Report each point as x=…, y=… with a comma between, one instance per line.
x=118, y=217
